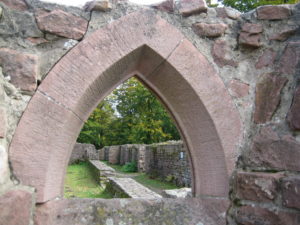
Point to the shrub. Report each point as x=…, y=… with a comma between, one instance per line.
x=169, y=178
x=129, y=167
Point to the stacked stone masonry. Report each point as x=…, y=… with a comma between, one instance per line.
x=168, y=161
x=243, y=67
x=83, y=152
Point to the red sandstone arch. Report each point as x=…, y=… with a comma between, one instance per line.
x=143, y=44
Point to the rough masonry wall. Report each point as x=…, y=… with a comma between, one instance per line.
x=256, y=54
x=82, y=152
x=170, y=162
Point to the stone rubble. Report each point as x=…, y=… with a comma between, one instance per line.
x=251, y=36
x=209, y=30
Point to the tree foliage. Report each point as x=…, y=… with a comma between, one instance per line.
x=247, y=5
x=97, y=126
x=131, y=114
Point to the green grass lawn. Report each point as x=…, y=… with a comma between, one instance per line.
x=80, y=183
x=145, y=180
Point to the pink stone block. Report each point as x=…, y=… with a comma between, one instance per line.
x=61, y=23
x=19, y=5
x=238, y=89
x=273, y=12
x=16, y=207
x=190, y=7
x=22, y=68
x=267, y=96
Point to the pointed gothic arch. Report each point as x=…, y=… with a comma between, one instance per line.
x=144, y=45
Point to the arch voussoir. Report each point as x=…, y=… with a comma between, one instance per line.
x=140, y=44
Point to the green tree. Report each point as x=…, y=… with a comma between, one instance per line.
x=131, y=114
x=143, y=118
x=247, y=5
x=97, y=126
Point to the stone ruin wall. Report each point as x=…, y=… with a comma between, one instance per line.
x=256, y=54
x=168, y=161
x=82, y=152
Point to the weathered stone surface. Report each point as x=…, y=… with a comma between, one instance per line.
x=238, y=89
x=82, y=152
x=102, y=154
x=102, y=168
x=290, y=192
x=221, y=53
x=266, y=59
x=62, y=123
x=15, y=4
x=15, y=207
x=267, y=96
x=61, y=23
x=259, y=187
x=178, y=193
x=166, y=6
x=254, y=215
x=274, y=152
x=131, y=188
x=169, y=161
x=101, y=173
x=252, y=28
x=250, y=35
x=2, y=122
x=140, y=211
x=284, y=34
x=290, y=58
x=18, y=23
x=52, y=52
x=226, y=12
x=209, y=30
x=190, y=7
x=37, y=40
x=294, y=115
x=20, y=67
x=114, y=154
x=273, y=12
x=4, y=169
x=102, y=6
x=106, y=58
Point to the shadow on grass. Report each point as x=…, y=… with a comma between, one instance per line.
x=80, y=183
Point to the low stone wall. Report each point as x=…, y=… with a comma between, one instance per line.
x=101, y=172
x=168, y=161
x=114, y=154
x=128, y=153
x=83, y=152
x=124, y=187
x=191, y=211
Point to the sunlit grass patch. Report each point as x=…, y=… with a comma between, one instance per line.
x=145, y=180
x=80, y=183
